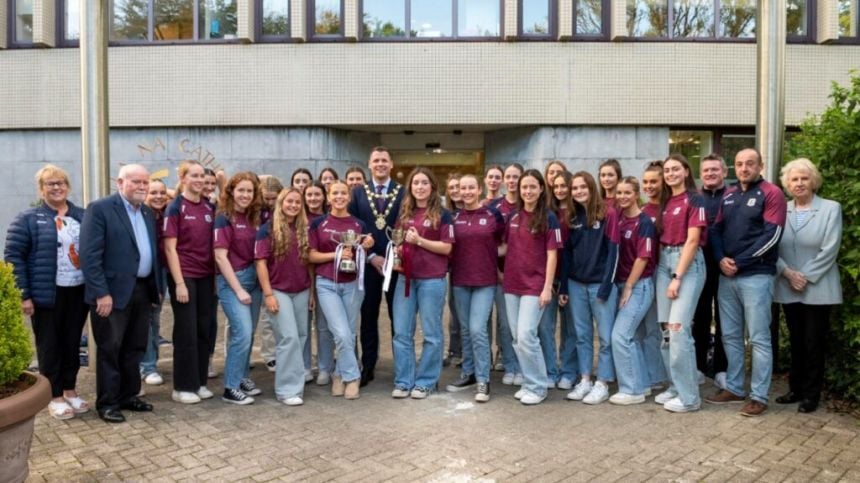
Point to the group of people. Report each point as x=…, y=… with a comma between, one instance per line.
x=557, y=254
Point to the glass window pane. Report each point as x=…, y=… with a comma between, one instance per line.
x=795, y=14
x=174, y=20
x=589, y=20
x=694, y=145
x=217, y=19
x=72, y=21
x=384, y=18
x=731, y=144
x=848, y=17
x=693, y=18
x=648, y=18
x=431, y=18
x=327, y=17
x=276, y=20
x=737, y=18
x=24, y=21
x=535, y=17
x=130, y=20
x=478, y=18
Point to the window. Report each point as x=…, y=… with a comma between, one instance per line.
x=431, y=19
x=849, y=18
x=167, y=20
x=536, y=18
x=275, y=21
x=704, y=19
x=22, y=22
x=71, y=21
x=588, y=18
x=327, y=18
x=694, y=145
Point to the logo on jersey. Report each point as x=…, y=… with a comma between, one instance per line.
x=596, y=225
x=751, y=202
x=427, y=223
x=628, y=234
x=482, y=221
x=676, y=210
x=208, y=218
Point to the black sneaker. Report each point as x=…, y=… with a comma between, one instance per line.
x=271, y=365
x=483, y=392
x=248, y=387
x=462, y=383
x=235, y=396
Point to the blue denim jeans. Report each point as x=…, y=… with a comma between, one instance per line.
x=504, y=337
x=745, y=303
x=325, y=342
x=651, y=338
x=341, y=304
x=546, y=333
x=588, y=310
x=149, y=363
x=242, y=322
x=679, y=355
x=524, y=316
x=474, y=305
x=568, y=356
x=426, y=298
x=626, y=346
x=290, y=326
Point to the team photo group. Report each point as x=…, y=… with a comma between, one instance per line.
x=606, y=287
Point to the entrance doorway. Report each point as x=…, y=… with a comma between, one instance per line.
x=442, y=163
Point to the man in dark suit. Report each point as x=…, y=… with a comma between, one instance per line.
x=120, y=265
x=377, y=204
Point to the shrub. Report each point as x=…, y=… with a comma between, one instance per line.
x=832, y=141
x=15, y=348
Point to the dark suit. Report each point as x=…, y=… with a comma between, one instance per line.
x=110, y=259
x=360, y=208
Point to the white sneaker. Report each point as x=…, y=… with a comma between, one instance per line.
x=153, y=379
x=720, y=381
x=624, y=399
x=529, y=398
x=565, y=383
x=293, y=401
x=665, y=396
x=519, y=380
x=508, y=378
x=519, y=394
x=700, y=377
x=580, y=391
x=309, y=375
x=676, y=406
x=598, y=394
x=323, y=378
x=185, y=397
x=400, y=393
x=204, y=393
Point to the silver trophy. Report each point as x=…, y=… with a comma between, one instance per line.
x=347, y=239
x=397, y=237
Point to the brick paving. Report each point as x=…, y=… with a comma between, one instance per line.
x=446, y=437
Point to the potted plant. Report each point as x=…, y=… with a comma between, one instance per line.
x=22, y=393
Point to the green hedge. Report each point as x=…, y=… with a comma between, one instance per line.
x=832, y=141
x=15, y=348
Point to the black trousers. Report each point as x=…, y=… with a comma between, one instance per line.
x=191, y=332
x=369, y=335
x=121, y=340
x=708, y=309
x=808, y=326
x=58, y=337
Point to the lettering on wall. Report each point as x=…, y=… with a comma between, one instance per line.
x=185, y=149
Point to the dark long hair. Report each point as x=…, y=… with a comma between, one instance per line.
x=434, y=204
x=595, y=208
x=538, y=223
x=666, y=193
x=616, y=166
x=556, y=205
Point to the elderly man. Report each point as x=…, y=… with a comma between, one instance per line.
x=120, y=264
x=746, y=240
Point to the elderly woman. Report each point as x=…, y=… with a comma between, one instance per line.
x=807, y=284
x=42, y=245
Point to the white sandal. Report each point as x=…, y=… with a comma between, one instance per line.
x=61, y=410
x=79, y=406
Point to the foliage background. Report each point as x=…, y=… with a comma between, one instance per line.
x=832, y=141
x=15, y=348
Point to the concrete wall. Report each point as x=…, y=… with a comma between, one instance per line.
x=275, y=151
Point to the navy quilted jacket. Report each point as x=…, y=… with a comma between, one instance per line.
x=31, y=247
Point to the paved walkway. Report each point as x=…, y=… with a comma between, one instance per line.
x=446, y=437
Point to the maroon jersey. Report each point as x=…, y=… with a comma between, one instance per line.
x=683, y=211
x=237, y=237
x=420, y=263
x=191, y=224
x=320, y=236
x=651, y=209
x=473, y=258
x=525, y=268
x=638, y=240
x=287, y=274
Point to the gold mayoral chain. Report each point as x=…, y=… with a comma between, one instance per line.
x=372, y=197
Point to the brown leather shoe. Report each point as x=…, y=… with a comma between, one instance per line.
x=337, y=386
x=753, y=408
x=724, y=396
x=351, y=390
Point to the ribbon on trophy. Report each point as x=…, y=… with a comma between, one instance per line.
x=392, y=260
x=352, y=240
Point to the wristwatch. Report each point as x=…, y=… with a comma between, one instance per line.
x=675, y=276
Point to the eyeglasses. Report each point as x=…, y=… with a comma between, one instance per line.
x=55, y=184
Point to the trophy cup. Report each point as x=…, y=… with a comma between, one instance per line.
x=347, y=239
x=397, y=236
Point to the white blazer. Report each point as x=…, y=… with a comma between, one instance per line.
x=811, y=248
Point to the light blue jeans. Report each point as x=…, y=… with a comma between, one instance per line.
x=626, y=346
x=474, y=305
x=587, y=311
x=745, y=302
x=546, y=332
x=569, y=358
x=504, y=338
x=341, y=304
x=427, y=299
x=149, y=363
x=524, y=316
x=651, y=338
x=325, y=342
x=679, y=355
x=290, y=326
x=242, y=322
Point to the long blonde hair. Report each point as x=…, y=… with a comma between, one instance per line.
x=282, y=238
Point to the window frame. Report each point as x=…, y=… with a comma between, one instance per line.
x=550, y=36
x=11, y=39
x=605, y=19
x=258, y=25
x=455, y=17
x=312, y=22
x=849, y=40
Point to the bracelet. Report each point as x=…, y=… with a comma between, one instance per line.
x=269, y=295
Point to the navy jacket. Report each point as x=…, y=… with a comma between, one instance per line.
x=591, y=253
x=359, y=207
x=713, y=199
x=109, y=256
x=31, y=248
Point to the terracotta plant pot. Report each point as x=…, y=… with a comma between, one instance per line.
x=17, y=414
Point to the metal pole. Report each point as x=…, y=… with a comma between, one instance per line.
x=95, y=156
x=770, y=84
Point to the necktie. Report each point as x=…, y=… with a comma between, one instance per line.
x=380, y=202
